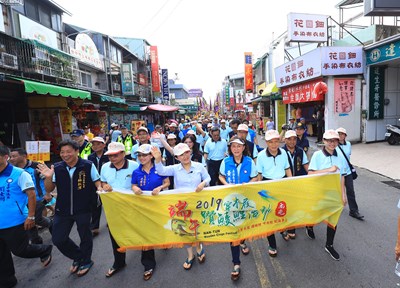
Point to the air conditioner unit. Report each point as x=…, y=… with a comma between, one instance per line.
x=9, y=61
x=116, y=87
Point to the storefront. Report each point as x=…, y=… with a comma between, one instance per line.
x=339, y=70
x=381, y=103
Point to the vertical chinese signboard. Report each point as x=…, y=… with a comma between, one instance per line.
x=155, y=75
x=248, y=72
x=227, y=95
x=376, y=92
x=127, y=79
x=165, y=86
x=344, y=96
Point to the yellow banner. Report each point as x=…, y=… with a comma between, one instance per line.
x=222, y=213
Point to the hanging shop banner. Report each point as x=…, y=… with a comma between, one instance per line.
x=300, y=93
x=376, y=92
x=165, y=86
x=342, y=60
x=307, y=27
x=66, y=121
x=38, y=151
x=222, y=214
x=344, y=93
x=127, y=79
x=86, y=51
x=155, y=75
x=248, y=72
x=135, y=124
x=240, y=99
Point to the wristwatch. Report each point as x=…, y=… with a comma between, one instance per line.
x=31, y=218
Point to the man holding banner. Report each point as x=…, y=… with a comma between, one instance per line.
x=325, y=161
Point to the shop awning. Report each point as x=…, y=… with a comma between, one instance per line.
x=53, y=90
x=162, y=108
x=114, y=99
x=270, y=89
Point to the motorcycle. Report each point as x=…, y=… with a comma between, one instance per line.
x=392, y=136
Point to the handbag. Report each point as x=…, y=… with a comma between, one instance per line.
x=352, y=169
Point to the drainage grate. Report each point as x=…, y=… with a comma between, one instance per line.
x=392, y=184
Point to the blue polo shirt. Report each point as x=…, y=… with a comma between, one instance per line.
x=118, y=178
x=323, y=160
x=216, y=150
x=147, y=181
x=272, y=167
x=224, y=133
x=346, y=147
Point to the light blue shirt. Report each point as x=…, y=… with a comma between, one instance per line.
x=323, y=160
x=224, y=133
x=94, y=174
x=347, y=150
x=201, y=140
x=121, y=178
x=216, y=150
x=272, y=167
x=114, y=135
x=183, y=179
x=136, y=147
x=253, y=172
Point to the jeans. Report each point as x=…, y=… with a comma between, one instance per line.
x=351, y=196
x=62, y=226
x=15, y=240
x=41, y=221
x=148, y=257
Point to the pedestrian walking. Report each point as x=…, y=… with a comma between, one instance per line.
x=273, y=163
x=17, y=215
x=85, y=147
x=188, y=175
x=128, y=141
x=145, y=178
x=143, y=138
x=325, y=161
x=75, y=179
x=215, y=151
x=237, y=169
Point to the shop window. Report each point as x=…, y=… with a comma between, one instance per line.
x=31, y=10
x=86, y=79
x=56, y=22
x=45, y=16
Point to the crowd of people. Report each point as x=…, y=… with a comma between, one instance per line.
x=214, y=152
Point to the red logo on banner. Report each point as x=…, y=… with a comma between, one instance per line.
x=303, y=92
x=155, y=76
x=281, y=208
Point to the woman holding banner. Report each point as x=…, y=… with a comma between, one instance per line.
x=188, y=175
x=145, y=178
x=237, y=169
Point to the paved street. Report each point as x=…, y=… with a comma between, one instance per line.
x=366, y=249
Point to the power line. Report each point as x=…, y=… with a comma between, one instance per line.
x=154, y=16
x=165, y=20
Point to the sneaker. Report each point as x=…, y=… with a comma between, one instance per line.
x=310, y=233
x=331, y=251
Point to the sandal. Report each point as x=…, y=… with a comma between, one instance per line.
x=46, y=261
x=245, y=249
x=112, y=271
x=74, y=267
x=292, y=236
x=188, y=263
x=147, y=274
x=272, y=252
x=201, y=257
x=84, y=269
x=235, y=274
x=285, y=235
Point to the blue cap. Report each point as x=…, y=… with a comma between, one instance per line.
x=77, y=132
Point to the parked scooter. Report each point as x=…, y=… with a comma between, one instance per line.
x=392, y=136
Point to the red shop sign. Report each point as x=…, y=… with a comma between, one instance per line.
x=303, y=92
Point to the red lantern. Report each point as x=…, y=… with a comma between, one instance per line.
x=320, y=88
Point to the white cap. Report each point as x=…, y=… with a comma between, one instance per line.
x=243, y=127
x=341, y=130
x=237, y=140
x=191, y=132
x=209, y=125
x=98, y=139
x=114, y=125
x=144, y=148
x=290, y=133
x=115, y=148
x=223, y=121
x=250, y=123
x=271, y=134
x=180, y=149
x=331, y=134
x=171, y=136
x=173, y=124
x=142, y=128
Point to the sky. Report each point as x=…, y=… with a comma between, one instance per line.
x=201, y=41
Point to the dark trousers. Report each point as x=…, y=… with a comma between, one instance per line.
x=62, y=226
x=213, y=170
x=96, y=215
x=351, y=196
x=330, y=235
x=235, y=251
x=272, y=241
x=148, y=258
x=15, y=240
x=41, y=221
x=320, y=132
